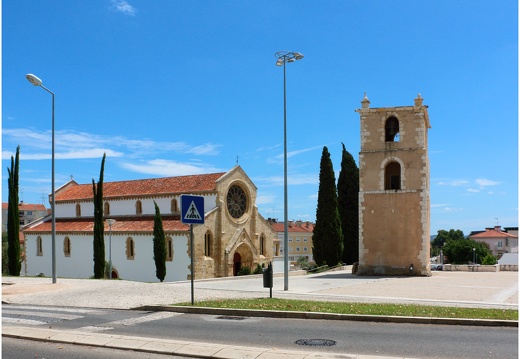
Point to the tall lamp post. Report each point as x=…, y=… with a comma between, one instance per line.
x=474, y=257
x=284, y=57
x=110, y=223
x=37, y=82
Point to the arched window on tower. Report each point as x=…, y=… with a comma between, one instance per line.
x=393, y=176
x=106, y=210
x=392, y=130
x=169, y=249
x=138, y=207
x=78, y=210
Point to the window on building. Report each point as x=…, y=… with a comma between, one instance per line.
x=262, y=245
x=297, y=249
x=507, y=242
x=39, y=246
x=66, y=247
x=130, y=248
x=305, y=239
x=392, y=130
x=169, y=249
x=106, y=210
x=297, y=239
x=175, y=206
x=138, y=207
x=393, y=176
x=499, y=244
x=78, y=210
x=207, y=244
x=305, y=249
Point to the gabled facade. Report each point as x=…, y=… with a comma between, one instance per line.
x=499, y=241
x=234, y=234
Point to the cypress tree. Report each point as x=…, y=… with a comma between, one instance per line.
x=159, y=245
x=99, y=225
x=348, y=206
x=327, y=239
x=13, y=217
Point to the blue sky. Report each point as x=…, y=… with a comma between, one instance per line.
x=168, y=88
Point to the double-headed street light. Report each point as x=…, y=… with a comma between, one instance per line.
x=37, y=82
x=284, y=57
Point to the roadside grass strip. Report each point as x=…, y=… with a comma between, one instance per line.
x=405, y=310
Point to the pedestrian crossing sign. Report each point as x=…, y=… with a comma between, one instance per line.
x=192, y=209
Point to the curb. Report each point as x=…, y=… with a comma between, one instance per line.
x=329, y=316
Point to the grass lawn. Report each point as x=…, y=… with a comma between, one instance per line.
x=360, y=308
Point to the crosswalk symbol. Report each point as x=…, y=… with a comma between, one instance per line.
x=192, y=209
x=192, y=213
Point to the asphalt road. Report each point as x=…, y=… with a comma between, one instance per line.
x=29, y=349
x=369, y=338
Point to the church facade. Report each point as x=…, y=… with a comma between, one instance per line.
x=234, y=235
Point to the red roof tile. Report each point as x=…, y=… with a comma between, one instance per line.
x=131, y=224
x=492, y=233
x=280, y=227
x=144, y=187
x=26, y=207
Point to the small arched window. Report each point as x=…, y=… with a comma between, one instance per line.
x=392, y=130
x=393, y=176
x=39, y=246
x=169, y=249
x=106, y=210
x=262, y=245
x=138, y=207
x=207, y=244
x=130, y=248
x=66, y=247
x=175, y=206
x=78, y=210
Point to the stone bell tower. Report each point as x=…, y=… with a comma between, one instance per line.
x=394, y=190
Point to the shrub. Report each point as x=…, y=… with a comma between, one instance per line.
x=489, y=259
x=244, y=271
x=258, y=269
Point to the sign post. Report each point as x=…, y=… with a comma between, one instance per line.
x=192, y=212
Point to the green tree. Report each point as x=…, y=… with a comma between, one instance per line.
x=460, y=251
x=348, y=206
x=13, y=217
x=99, y=225
x=442, y=237
x=159, y=245
x=327, y=238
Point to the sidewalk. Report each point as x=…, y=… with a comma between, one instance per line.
x=468, y=289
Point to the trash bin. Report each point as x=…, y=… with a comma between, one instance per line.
x=268, y=276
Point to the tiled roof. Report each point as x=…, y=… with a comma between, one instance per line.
x=143, y=187
x=492, y=233
x=26, y=207
x=294, y=228
x=127, y=224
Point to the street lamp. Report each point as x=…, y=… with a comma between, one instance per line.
x=284, y=57
x=37, y=82
x=110, y=223
x=474, y=258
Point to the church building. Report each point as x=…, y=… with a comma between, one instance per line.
x=234, y=235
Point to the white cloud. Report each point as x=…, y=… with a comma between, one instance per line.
x=124, y=7
x=485, y=182
x=456, y=182
x=473, y=190
x=261, y=200
x=168, y=168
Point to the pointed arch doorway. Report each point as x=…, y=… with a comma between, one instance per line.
x=237, y=263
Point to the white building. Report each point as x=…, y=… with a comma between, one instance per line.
x=234, y=235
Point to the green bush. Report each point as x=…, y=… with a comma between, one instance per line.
x=244, y=271
x=489, y=259
x=258, y=269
